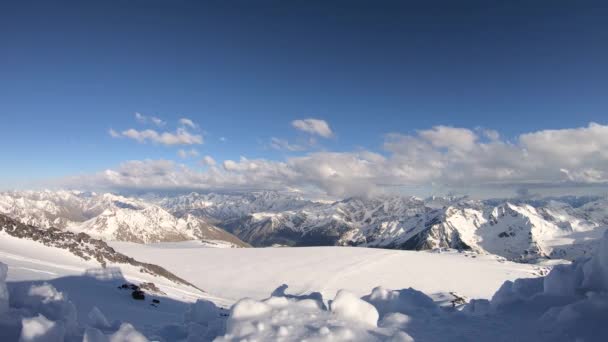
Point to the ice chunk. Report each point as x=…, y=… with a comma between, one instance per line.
x=46, y=300
x=347, y=306
x=39, y=328
x=203, y=311
x=517, y=292
x=127, y=333
x=406, y=301
x=249, y=308
x=46, y=292
x=562, y=281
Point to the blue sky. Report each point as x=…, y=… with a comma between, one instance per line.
x=242, y=70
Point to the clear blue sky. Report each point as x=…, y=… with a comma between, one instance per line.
x=243, y=70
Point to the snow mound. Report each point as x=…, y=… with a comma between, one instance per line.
x=202, y=322
x=127, y=333
x=407, y=301
x=39, y=328
x=290, y=318
x=347, y=306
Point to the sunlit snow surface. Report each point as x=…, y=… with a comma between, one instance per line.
x=255, y=272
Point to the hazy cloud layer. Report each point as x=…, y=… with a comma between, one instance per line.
x=442, y=156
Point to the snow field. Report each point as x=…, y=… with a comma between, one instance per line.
x=255, y=272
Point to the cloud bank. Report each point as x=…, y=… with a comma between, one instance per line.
x=440, y=156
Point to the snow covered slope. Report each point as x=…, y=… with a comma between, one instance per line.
x=109, y=217
x=90, y=271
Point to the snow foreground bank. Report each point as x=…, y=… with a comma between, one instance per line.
x=569, y=304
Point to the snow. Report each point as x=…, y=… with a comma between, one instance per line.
x=108, y=216
x=517, y=231
x=406, y=301
x=236, y=273
x=97, y=319
x=3, y=290
x=292, y=320
x=347, y=306
x=295, y=294
x=127, y=333
x=40, y=329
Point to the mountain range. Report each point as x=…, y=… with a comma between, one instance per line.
x=518, y=229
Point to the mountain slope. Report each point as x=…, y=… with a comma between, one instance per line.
x=515, y=231
x=81, y=246
x=109, y=217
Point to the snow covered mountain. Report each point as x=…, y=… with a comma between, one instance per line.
x=229, y=206
x=109, y=216
x=514, y=230
x=517, y=230
x=79, y=246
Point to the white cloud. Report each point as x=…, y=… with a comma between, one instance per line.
x=491, y=134
x=441, y=156
x=180, y=137
x=208, y=161
x=187, y=123
x=147, y=119
x=187, y=153
x=449, y=137
x=313, y=126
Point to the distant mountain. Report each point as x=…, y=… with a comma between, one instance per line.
x=110, y=217
x=222, y=207
x=519, y=231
